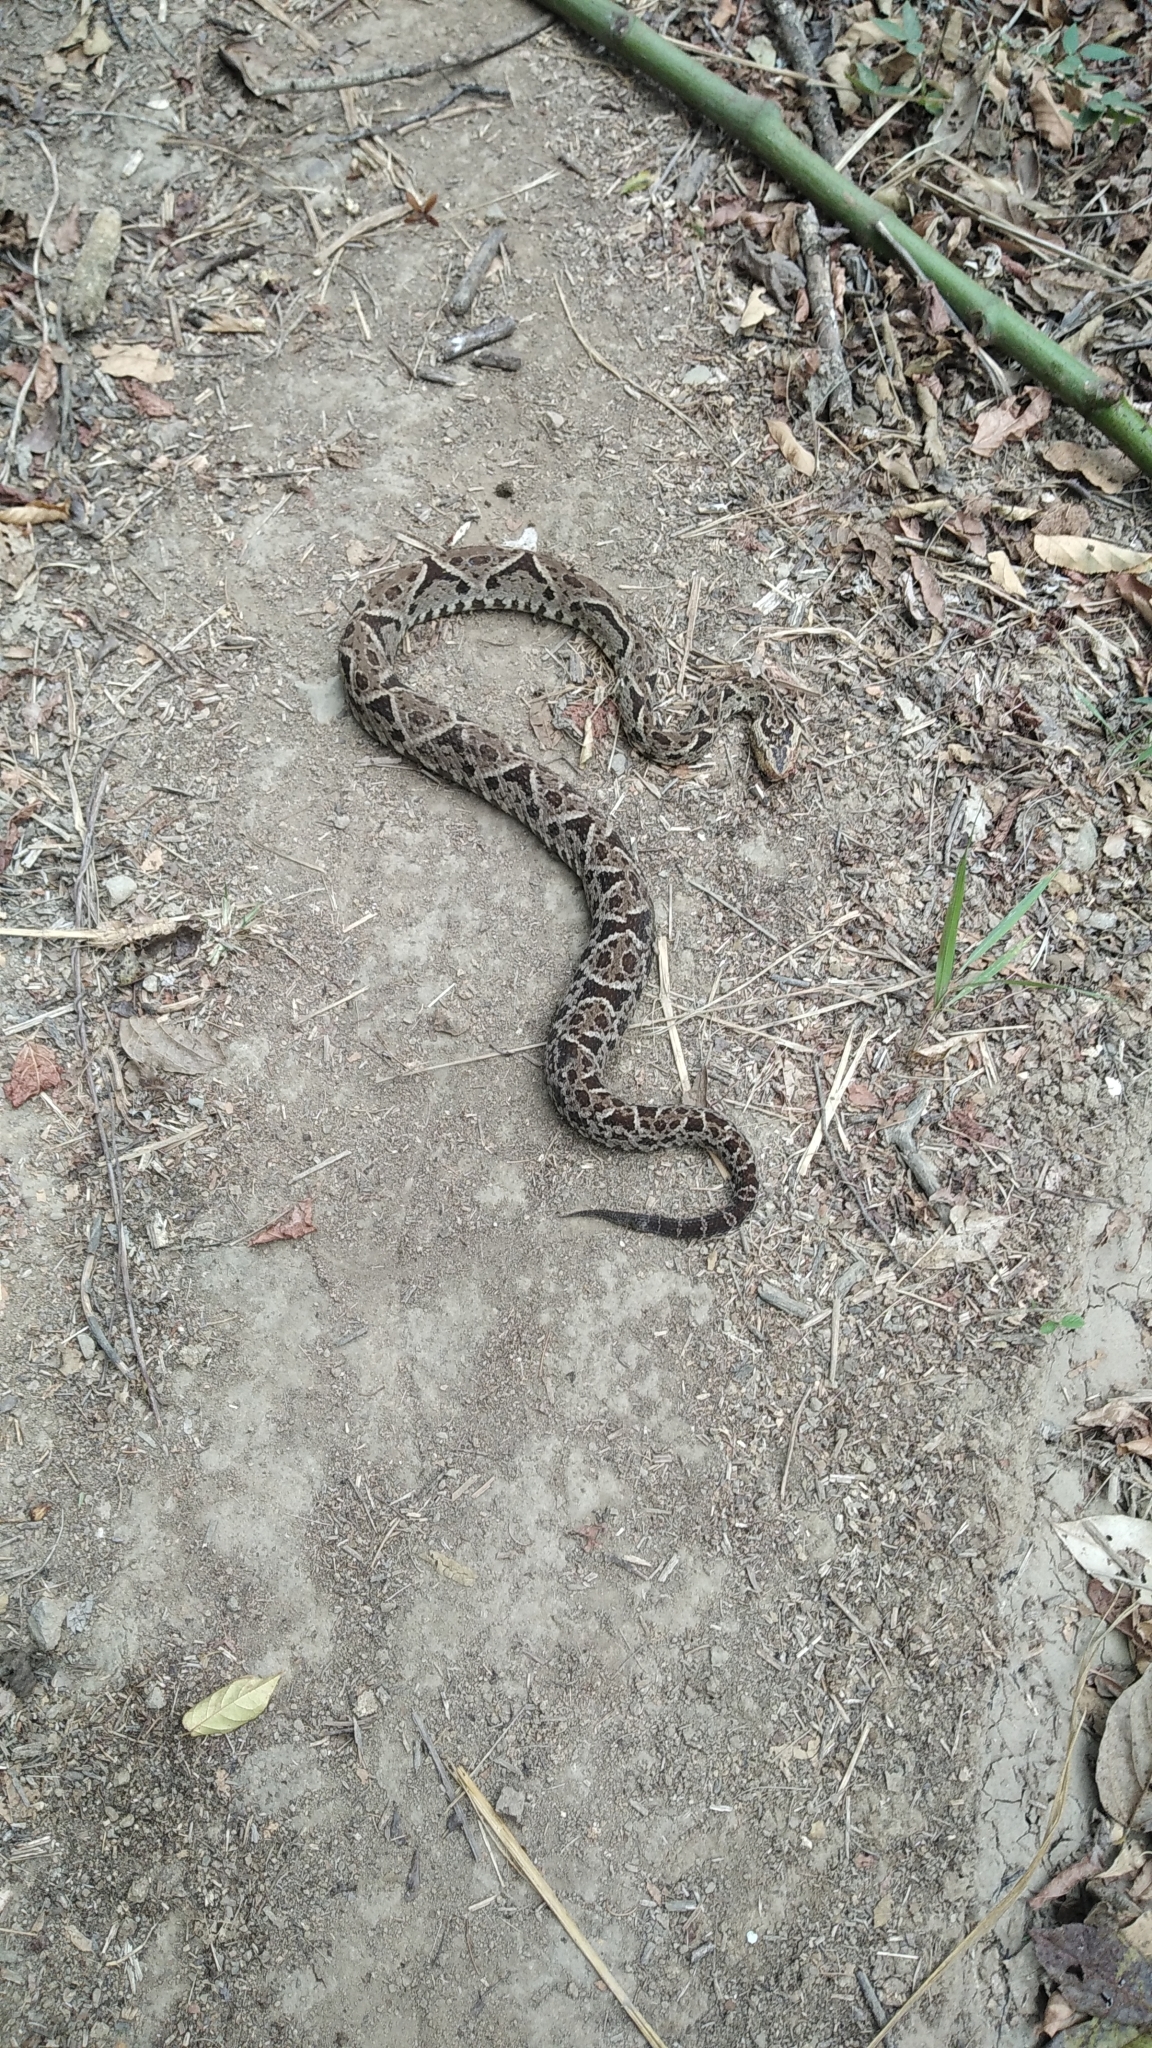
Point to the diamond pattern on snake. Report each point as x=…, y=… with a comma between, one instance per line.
x=609, y=976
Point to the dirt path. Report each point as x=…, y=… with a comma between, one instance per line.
x=738, y=1611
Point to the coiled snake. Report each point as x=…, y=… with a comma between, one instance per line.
x=611, y=971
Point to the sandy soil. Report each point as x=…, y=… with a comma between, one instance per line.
x=751, y=1621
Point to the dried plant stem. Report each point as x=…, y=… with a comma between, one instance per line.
x=831, y=385
x=761, y=127
x=384, y=74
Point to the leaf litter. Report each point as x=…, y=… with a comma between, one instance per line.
x=898, y=518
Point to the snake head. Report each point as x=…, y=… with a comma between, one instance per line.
x=776, y=748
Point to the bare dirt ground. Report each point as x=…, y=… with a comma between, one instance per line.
x=729, y=1572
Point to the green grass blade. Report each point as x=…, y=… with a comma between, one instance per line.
x=946, y=958
x=972, y=983
x=1006, y=924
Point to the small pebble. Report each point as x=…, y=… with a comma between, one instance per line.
x=118, y=888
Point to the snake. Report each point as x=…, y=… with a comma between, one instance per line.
x=610, y=973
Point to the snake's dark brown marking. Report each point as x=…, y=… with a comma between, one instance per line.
x=610, y=972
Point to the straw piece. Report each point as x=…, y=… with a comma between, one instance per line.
x=521, y=1861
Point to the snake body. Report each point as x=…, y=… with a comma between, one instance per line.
x=610, y=973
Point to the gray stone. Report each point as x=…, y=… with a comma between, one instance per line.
x=46, y=1621
x=511, y=1803
x=1080, y=850
x=84, y=299
x=118, y=888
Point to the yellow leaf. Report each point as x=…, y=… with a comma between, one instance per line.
x=451, y=1568
x=1090, y=557
x=802, y=459
x=756, y=309
x=1003, y=574
x=243, y=1700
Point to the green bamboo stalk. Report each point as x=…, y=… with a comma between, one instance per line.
x=761, y=127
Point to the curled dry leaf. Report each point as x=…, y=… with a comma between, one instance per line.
x=1107, y=468
x=801, y=458
x=244, y=1699
x=929, y=584
x=1135, y=593
x=295, y=1222
x=1001, y=423
x=1003, y=574
x=451, y=1568
x=33, y=1070
x=1090, y=557
x=161, y=1048
x=32, y=515
x=1124, y=1765
x=1049, y=117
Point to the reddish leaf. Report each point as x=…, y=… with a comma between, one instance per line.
x=33, y=1070
x=46, y=382
x=1002, y=423
x=296, y=1222
x=148, y=402
x=66, y=234
x=1136, y=593
x=1066, y=1881
x=930, y=589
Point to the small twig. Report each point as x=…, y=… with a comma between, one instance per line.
x=849, y=1061
x=847, y=1182
x=520, y=1861
x=637, y=390
x=878, y=2011
x=464, y=295
x=831, y=386
x=449, y=1787
x=114, y=18
x=45, y=333
x=224, y=257
x=478, y=337
x=899, y=1136
x=793, y=39
x=668, y=1007
x=427, y=373
x=853, y=1760
x=803, y=1403
x=381, y=129
x=383, y=74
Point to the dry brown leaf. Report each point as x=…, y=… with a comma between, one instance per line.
x=1136, y=593
x=1049, y=117
x=1124, y=1764
x=1003, y=574
x=295, y=1222
x=147, y=402
x=46, y=382
x=133, y=359
x=801, y=458
x=33, y=1070
x=1090, y=557
x=1107, y=468
x=1001, y=423
x=930, y=589
x=31, y=515
x=1141, y=270
x=162, y=1048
